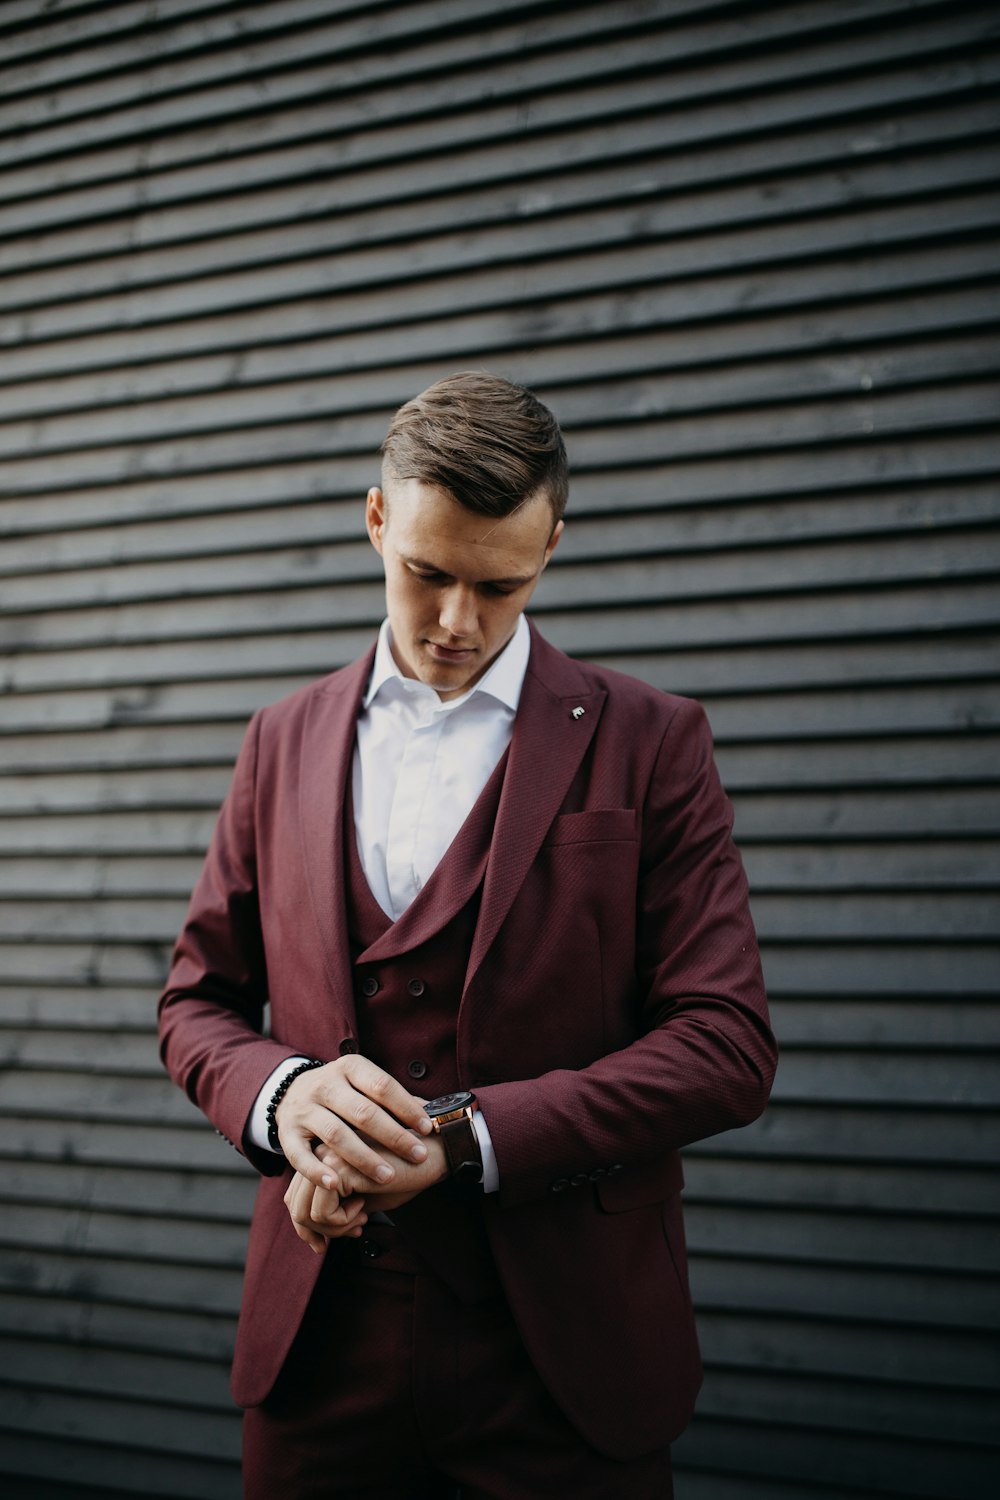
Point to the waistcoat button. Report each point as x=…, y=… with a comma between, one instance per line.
x=416, y=1068
x=348, y=1046
x=416, y=987
x=370, y=986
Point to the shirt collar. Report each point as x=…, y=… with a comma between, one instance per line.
x=503, y=681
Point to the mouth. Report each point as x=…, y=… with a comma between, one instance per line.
x=450, y=653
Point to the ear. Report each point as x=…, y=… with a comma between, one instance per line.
x=550, y=547
x=375, y=517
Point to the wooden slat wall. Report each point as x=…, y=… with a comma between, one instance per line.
x=748, y=252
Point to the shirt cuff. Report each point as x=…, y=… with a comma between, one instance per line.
x=256, y=1131
x=491, y=1172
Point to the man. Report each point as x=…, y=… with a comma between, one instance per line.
x=471, y=873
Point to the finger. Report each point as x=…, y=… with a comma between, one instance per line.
x=339, y=1158
x=320, y=1211
x=300, y=1153
x=296, y=1201
x=355, y=1217
x=375, y=1131
x=357, y=1092
x=397, y=1111
x=324, y=1209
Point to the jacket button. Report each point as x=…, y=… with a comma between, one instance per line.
x=370, y=986
x=559, y=1185
x=416, y=988
x=579, y=1179
x=348, y=1046
x=416, y=1068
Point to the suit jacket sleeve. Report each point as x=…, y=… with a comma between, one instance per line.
x=703, y=1056
x=212, y=1010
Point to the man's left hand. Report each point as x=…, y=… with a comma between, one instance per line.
x=321, y=1214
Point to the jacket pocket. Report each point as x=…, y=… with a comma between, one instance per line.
x=601, y=826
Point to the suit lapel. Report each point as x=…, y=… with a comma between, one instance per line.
x=546, y=749
x=453, y=882
x=325, y=759
x=550, y=740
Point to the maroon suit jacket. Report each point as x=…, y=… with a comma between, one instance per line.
x=613, y=1011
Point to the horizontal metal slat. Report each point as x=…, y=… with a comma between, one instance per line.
x=852, y=359
x=883, y=370
x=858, y=813
x=193, y=1455
x=811, y=1236
x=161, y=1240
x=452, y=76
x=211, y=1197
x=90, y=963
x=189, y=1145
x=857, y=1294
x=81, y=1321
x=888, y=1077
x=585, y=162
x=330, y=331
x=801, y=1131
x=450, y=270
x=862, y=1021
x=868, y=1467
x=253, y=49
x=91, y=1370
x=879, y=969
x=118, y=1011
x=27, y=1264
x=136, y=831
x=955, y=1192
x=793, y=1344
x=722, y=180
x=94, y=876
x=79, y=1051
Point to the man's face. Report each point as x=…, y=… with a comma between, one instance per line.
x=455, y=581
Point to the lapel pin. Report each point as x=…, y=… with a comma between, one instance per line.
x=577, y=712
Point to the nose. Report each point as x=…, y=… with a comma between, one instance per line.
x=458, y=615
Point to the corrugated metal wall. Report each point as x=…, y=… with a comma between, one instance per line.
x=748, y=253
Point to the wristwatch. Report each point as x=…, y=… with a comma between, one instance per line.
x=451, y=1116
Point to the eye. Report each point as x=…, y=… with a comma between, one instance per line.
x=427, y=575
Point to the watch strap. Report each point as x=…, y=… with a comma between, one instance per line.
x=461, y=1146
x=464, y=1157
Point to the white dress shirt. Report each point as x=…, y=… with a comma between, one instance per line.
x=419, y=767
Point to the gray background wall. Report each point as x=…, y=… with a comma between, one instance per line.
x=748, y=253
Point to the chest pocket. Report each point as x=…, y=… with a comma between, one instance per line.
x=613, y=825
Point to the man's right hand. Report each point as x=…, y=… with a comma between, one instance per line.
x=347, y=1109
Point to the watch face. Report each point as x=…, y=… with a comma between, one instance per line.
x=445, y=1104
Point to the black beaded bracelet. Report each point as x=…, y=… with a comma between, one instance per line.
x=272, y=1128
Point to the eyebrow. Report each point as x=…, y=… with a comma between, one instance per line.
x=517, y=581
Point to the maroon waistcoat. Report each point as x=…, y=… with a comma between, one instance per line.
x=408, y=977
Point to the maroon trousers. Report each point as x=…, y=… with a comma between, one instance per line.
x=396, y=1390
